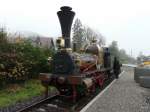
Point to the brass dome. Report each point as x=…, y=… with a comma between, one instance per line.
x=93, y=49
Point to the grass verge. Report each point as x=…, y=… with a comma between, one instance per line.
x=17, y=93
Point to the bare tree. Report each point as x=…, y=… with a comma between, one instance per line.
x=89, y=34
x=100, y=39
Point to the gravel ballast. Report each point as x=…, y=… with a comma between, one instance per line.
x=124, y=95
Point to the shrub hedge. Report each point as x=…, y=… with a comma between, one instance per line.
x=21, y=61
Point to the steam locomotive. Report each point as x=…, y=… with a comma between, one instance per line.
x=75, y=74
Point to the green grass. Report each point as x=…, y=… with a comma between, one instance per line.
x=31, y=88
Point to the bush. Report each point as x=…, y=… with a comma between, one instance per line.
x=34, y=58
x=21, y=61
x=11, y=68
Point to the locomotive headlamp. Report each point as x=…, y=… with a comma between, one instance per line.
x=60, y=42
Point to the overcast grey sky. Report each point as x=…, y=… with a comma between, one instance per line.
x=126, y=21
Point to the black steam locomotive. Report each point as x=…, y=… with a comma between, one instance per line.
x=75, y=74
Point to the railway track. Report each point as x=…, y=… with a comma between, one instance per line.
x=58, y=104
x=51, y=104
x=37, y=104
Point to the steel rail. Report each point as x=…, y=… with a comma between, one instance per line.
x=27, y=108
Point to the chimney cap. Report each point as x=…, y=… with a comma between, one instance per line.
x=66, y=8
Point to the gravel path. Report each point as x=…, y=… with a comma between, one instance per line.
x=123, y=96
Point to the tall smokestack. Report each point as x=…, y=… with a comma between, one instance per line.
x=65, y=18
